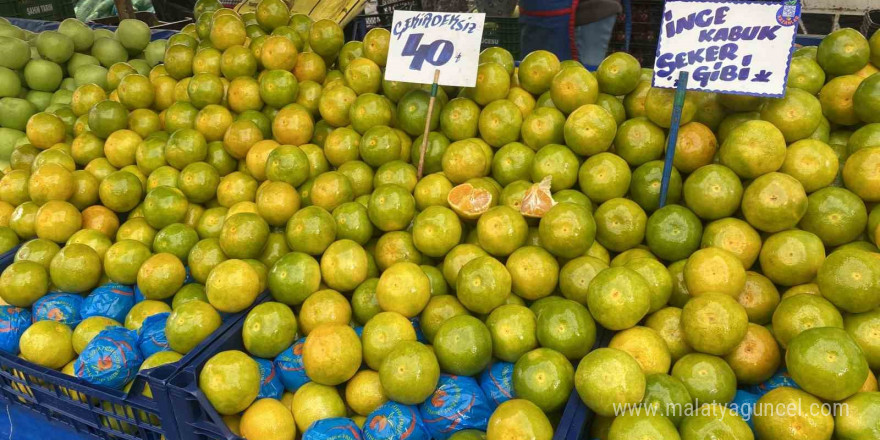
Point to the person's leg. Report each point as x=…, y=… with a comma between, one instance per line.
x=592, y=40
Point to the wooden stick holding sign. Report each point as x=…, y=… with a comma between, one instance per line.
x=425, y=44
x=677, y=104
x=431, y=102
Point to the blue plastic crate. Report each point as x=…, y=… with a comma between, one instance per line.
x=198, y=420
x=97, y=411
x=8, y=257
x=196, y=417
x=89, y=409
x=576, y=417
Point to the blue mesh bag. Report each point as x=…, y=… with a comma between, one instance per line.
x=457, y=403
x=780, y=379
x=151, y=336
x=334, y=428
x=111, y=359
x=110, y=300
x=289, y=366
x=138, y=296
x=61, y=307
x=395, y=421
x=497, y=382
x=270, y=383
x=13, y=322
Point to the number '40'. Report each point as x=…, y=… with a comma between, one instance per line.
x=438, y=53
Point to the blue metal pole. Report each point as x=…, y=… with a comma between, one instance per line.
x=680, y=90
x=627, y=23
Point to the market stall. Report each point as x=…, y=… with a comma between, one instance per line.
x=277, y=222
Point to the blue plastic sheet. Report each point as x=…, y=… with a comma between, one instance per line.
x=334, y=428
x=395, y=421
x=270, y=383
x=290, y=368
x=458, y=403
x=61, y=307
x=151, y=336
x=111, y=359
x=497, y=382
x=13, y=322
x=110, y=300
x=18, y=422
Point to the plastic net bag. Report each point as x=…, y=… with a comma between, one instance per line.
x=13, y=322
x=270, y=383
x=457, y=403
x=110, y=300
x=111, y=359
x=61, y=307
x=151, y=335
x=497, y=382
x=334, y=428
x=395, y=421
x=290, y=368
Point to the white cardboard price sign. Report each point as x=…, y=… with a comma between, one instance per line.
x=422, y=42
x=740, y=47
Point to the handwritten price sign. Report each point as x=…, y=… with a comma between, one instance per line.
x=741, y=47
x=422, y=42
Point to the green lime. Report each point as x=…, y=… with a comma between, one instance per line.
x=819, y=424
x=232, y=286
x=409, y=373
x=269, y=328
x=482, y=284
x=714, y=323
x=607, y=379
x=513, y=329
x=403, y=288
x=673, y=232
x=544, y=377
x=707, y=378
x=567, y=327
x=331, y=354
x=717, y=419
x=756, y=358
x=827, y=363
x=436, y=230
x=534, y=272
x=48, y=344
x=713, y=192
x=230, y=381
x=190, y=324
x=618, y=297
x=517, y=417
x=463, y=345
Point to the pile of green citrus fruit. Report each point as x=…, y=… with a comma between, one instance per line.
x=264, y=152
